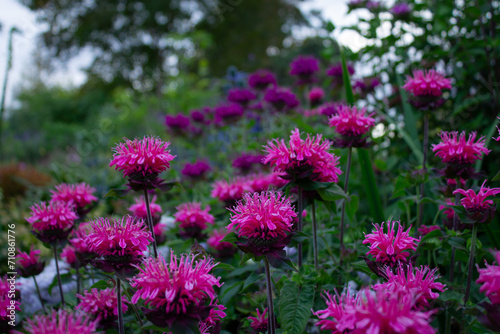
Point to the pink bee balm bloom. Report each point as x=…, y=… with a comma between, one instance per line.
x=231, y=191
x=126, y=237
x=259, y=323
x=334, y=312
x=183, y=288
x=61, y=322
x=141, y=160
x=268, y=215
x=261, y=79
x=349, y=121
x=212, y=323
x=426, y=83
x=139, y=209
x=303, y=158
x=281, y=98
x=316, y=96
x=455, y=149
x=417, y=281
x=101, y=304
x=423, y=230
x=221, y=248
x=54, y=216
x=29, y=264
x=385, y=311
x=490, y=278
x=193, y=219
x=498, y=138
x=392, y=247
x=79, y=194
x=68, y=254
x=477, y=206
x=304, y=67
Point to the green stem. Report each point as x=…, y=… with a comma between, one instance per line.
x=455, y=223
x=121, y=326
x=59, y=276
x=424, y=168
x=315, y=235
x=342, y=216
x=270, y=315
x=134, y=308
x=471, y=262
x=39, y=294
x=150, y=222
x=299, y=226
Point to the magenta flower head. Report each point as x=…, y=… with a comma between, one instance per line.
x=423, y=230
x=212, y=324
x=329, y=109
x=264, y=224
x=459, y=153
x=478, y=208
x=335, y=311
x=29, y=264
x=53, y=222
x=141, y=161
x=193, y=220
x=180, y=292
x=221, y=249
x=316, y=95
x=418, y=281
x=282, y=99
x=139, y=209
x=336, y=71
x=259, y=323
x=61, y=322
x=401, y=10
x=351, y=124
x=241, y=96
x=391, y=248
x=303, y=158
x=489, y=277
x=426, y=89
x=101, y=305
x=228, y=113
x=261, y=79
x=119, y=242
x=304, y=67
x=198, y=116
x=245, y=162
x=197, y=170
x=68, y=254
x=231, y=191
x=177, y=124
x=80, y=194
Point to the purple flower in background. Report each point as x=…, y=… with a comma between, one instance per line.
x=228, y=113
x=261, y=79
x=177, y=123
x=400, y=10
x=241, y=96
x=304, y=67
x=336, y=70
x=281, y=98
x=329, y=109
x=197, y=116
x=365, y=86
x=196, y=170
x=316, y=96
x=246, y=161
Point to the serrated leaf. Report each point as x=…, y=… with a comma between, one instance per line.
x=101, y=285
x=332, y=193
x=295, y=306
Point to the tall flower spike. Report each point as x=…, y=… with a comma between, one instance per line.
x=142, y=160
x=264, y=219
x=478, y=207
x=490, y=278
x=61, y=322
x=193, y=219
x=459, y=153
x=390, y=248
x=180, y=292
x=307, y=158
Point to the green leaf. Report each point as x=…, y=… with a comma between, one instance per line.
x=224, y=266
x=101, y=285
x=120, y=193
x=169, y=185
x=410, y=119
x=295, y=306
x=332, y=193
x=230, y=237
x=251, y=279
x=496, y=177
x=362, y=266
x=347, y=81
x=400, y=187
x=430, y=235
x=450, y=295
x=368, y=178
x=489, y=136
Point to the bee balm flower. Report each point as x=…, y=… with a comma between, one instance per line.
x=426, y=88
x=29, y=264
x=179, y=292
x=351, y=124
x=490, y=278
x=52, y=222
x=101, y=305
x=141, y=161
x=477, y=206
x=61, y=322
x=79, y=194
x=193, y=219
x=304, y=67
x=259, y=323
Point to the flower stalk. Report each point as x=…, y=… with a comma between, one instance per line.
x=471, y=262
x=270, y=323
x=59, y=276
x=39, y=294
x=315, y=235
x=424, y=168
x=121, y=326
x=342, y=215
x=299, y=226
x=455, y=225
x=150, y=222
